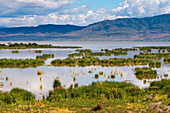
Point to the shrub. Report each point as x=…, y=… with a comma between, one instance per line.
x=56, y=84
x=76, y=85
x=21, y=94
x=161, y=84
x=6, y=98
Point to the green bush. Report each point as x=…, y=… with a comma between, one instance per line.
x=6, y=98
x=16, y=95
x=56, y=83
x=98, y=90
x=21, y=95
x=161, y=84
x=164, y=84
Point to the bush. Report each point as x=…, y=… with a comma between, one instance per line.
x=6, y=98
x=15, y=95
x=21, y=94
x=76, y=85
x=98, y=90
x=163, y=84
x=56, y=84
x=133, y=91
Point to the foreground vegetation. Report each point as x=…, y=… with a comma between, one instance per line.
x=108, y=96
x=33, y=45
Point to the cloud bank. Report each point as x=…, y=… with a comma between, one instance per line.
x=35, y=12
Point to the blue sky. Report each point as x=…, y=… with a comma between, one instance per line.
x=97, y=4
x=14, y=13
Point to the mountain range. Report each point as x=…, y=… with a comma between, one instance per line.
x=155, y=28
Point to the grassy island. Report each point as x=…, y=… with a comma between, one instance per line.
x=25, y=63
x=153, y=47
x=145, y=73
x=20, y=63
x=34, y=46
x=88, y=61
x=15, y=51
x=104, y=52
x=152, y=56
x=44, y=56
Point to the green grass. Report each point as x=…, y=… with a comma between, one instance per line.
x=133, y=99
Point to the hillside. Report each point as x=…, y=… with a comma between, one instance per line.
x=155, y=28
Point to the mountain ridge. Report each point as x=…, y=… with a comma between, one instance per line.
x=155, y=28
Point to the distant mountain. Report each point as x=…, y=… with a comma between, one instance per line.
x=155, y=28
x=50, y=28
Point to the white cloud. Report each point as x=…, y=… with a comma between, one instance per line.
x=31, y=7
x=81, y=15
x=82, y=9
x=142, y=8
x=45, y=3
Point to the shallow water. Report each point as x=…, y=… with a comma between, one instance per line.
x=29, y=80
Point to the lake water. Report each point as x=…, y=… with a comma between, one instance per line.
x=40, y=85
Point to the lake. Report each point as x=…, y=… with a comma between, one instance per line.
x=40, y=85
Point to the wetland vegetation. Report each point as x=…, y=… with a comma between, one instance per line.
x=88, y=61
x=104, y=52
x=44, y=56
x=152, y=56
x=105, y=96
x=154, y=47
x=110, y=96
x=167, y=60
x=38, y=51
x=33, y=46
x=20, y=63
x=145, y=73
x=15, y=51
x=86, y=57
x=25, y=63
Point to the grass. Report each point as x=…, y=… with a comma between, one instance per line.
x=19, y=100
x=145, y=73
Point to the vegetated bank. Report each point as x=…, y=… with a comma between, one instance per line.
x=108, y=96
